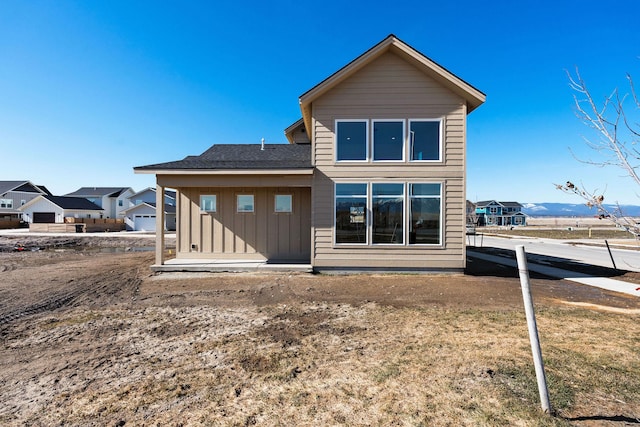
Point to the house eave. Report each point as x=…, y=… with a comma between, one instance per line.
x=226, y=171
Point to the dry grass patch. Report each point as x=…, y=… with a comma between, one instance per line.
x=325, y=364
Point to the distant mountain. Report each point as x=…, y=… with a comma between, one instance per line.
x=569, y=209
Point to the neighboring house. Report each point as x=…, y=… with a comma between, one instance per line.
x=148, y=195
x=142, y=215
x=472, y=218
x=14, y=194
x=54, y=209
x=113, y=200
x=491, y=212
x=373, y=177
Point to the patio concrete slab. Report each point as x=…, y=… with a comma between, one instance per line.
x=230, y=266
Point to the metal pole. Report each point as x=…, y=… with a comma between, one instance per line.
x=611, y=255
x=533, y=329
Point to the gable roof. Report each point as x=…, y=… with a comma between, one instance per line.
x=25, y=186
x=65, y=202
x=486, y=203
x=503, y=204
x=98, y=192
x=167, y=193
x=45, y=189
x=288, y=132
x=168, y=209
x=241, y=157
x=473, y=97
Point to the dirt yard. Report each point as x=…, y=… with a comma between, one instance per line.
x=91, y=337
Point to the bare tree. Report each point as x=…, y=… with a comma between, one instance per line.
x=617, y=141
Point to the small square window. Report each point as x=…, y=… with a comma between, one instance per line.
x=208, y=203
x=245, y=203
x=284, y=203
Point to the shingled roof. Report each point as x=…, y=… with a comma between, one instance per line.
x=242, y=156
x=77, y=203
x=98, y=192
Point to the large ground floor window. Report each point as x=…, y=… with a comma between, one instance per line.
x=403, y=213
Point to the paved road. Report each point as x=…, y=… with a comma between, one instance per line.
x=624, y=259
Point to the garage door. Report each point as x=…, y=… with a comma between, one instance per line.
x=144, y=222
x=44, y=217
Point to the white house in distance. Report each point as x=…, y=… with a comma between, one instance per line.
x=54, y=209
x=14, y=194
x=113, y=200
x=142, y=215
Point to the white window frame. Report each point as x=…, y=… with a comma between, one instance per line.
x=8, y=203
x=371, y=197
x=367, y=156
x=441, y=213
x=253, y=203
x=366, y=214
x=440, y=140
x=406, y=214
x=275, y=203
x=215, y=203
x=403, y=149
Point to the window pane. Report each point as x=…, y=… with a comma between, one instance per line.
x=388, y=220
x=425, y=221
x=425, y=140
x=351, y=189
x=388, y=189
x=387, y=140
x=425, y=189
x=351, y=220
x=283, y=203
x=208, y=203
x=351, y=138
x=245, y=203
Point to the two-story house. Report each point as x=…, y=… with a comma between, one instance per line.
x=14, y=194
x=373, y=177
x=141, y=216
x=113, y=200
x=491, y=212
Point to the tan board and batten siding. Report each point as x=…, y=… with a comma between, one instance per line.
x=259, y=235
x=390, y=88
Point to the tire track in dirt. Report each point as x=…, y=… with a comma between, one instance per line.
x=92, y=281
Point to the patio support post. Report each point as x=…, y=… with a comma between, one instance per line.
x=159, y=225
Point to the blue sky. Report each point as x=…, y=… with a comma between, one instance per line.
x=90, y=89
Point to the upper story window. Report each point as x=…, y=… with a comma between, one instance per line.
x=425, y=140
x=388, y=140
x=6, y=203
x=351, y=139
x=380, y=140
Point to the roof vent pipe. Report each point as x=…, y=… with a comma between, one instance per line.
x=262, y=144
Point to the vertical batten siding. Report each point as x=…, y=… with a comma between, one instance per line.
x=262, y=234
x=390, y=88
